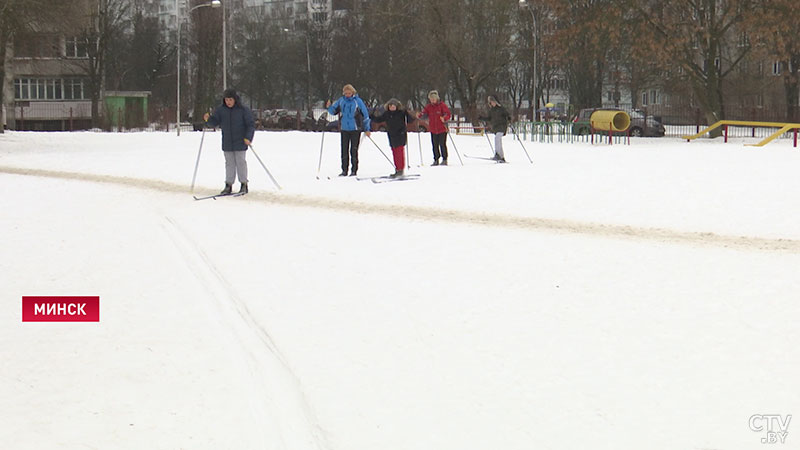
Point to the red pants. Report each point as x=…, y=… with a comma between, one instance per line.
x=399, y=154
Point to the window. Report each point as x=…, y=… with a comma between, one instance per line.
x=557, y=84
x=742, y=67
x=776, y=68
x=76, y=48
x=73, y=89
x=37, y=89
x=54, y=90
x=49, y=89
x=645, y=99
x=744, y=40
x=653, y=97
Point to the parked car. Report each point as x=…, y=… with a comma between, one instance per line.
x=324, y=123
x=640, y=126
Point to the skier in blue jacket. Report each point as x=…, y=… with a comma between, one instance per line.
x=351, y=107
x=238, y=128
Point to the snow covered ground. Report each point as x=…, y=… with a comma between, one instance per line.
x=604, y=297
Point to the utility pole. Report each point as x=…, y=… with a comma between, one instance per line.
x=535, y=98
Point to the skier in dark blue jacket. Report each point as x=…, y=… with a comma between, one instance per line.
x=350, y=105
x=238, y=128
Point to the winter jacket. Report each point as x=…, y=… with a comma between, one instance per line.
x=436, y=113
x=498, y=118
x=395, y=125
x=237, y=125
x=348, y=106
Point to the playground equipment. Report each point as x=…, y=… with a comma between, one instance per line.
x=782, y=128
x=617, y=121
x=611, y=121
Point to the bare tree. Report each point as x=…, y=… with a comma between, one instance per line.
x=106, y=19
x=696, y=35
x=206, y=46
x=471, y=39
x=771, y=24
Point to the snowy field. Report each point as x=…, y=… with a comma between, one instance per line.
x=604, y=297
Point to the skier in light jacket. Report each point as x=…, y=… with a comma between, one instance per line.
x=354, y=117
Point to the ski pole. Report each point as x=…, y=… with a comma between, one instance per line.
x=319, y=166
x=487, y=137
x=455, y=148
x=382, y=153
x=197, y=164
x=265, y=167
x=521, y=144
x=419, y=141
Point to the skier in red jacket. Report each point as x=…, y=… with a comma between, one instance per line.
x=438, y=114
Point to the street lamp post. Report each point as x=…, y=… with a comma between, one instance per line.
x=224, y=49
x=535, y=98
x=213, y=4
x=308, y=77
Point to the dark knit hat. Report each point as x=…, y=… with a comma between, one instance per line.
x=230, y=93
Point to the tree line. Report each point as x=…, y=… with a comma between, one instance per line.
x=705, y=52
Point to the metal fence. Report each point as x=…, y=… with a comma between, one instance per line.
x=678, y=121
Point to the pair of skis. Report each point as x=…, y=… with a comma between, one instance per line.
x=389, y=178
x=485, y=158
x=216, y=196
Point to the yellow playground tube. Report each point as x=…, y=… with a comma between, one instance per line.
x=608, y=120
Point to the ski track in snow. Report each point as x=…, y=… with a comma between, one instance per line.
x=695, y=238
x=271, y=373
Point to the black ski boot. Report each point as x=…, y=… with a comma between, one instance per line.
x=435, y=162
x=444, y=162
x=228, y=189
x=397, y=174
x=243, y=189
x=343, y=174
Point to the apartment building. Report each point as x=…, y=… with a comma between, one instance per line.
x=46, y=86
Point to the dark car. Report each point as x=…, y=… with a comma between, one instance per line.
x=279, y=119
x=640, y=127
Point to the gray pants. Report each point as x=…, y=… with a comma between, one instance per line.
x=498, y=144
x=235, y=164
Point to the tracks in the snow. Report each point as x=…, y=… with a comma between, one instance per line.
x=662, y=235
x=281, y=400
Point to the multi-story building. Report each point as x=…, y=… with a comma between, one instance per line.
x=46, y=87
